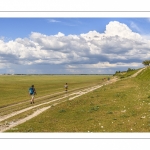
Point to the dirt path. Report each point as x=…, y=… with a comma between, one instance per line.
x=11, y=125
x=134, y=75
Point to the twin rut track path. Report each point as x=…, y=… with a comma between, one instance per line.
x=6, y=124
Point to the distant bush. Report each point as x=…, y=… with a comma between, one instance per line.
x=124, y=74
x=129, y=69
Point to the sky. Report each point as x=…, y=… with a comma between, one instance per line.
x=73, y=45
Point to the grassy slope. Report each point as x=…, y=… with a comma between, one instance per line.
x=123, y=106
x=125, y=74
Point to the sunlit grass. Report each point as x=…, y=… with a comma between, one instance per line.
x=14, y=89
x=119, y=107
x=123, y=106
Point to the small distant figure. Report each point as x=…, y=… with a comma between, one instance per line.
x=32, y=93
x=66, y=87
x=108, y=78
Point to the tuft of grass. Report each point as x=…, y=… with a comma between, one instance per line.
x=62, y=111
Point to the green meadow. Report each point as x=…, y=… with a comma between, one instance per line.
x=122, y=106
x=14, y=88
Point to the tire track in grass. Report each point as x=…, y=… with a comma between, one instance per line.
x=29, y=108
x=39, y=111
x=26, y=109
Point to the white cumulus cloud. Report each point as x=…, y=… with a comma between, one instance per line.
x=118, y=46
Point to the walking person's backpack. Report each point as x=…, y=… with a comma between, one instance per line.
x=31, y=91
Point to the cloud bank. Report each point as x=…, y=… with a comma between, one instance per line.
x=117, y=48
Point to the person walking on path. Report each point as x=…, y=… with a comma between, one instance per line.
x=66, y=87
x=32, y=93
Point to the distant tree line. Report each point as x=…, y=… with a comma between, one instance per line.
x=129, y=69
x=145, y=63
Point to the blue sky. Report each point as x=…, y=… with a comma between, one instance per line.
x=22, y=27
x=73, y=45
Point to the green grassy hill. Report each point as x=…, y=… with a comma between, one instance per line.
x=145, y=74
x=125, y=74
x=123, y=106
